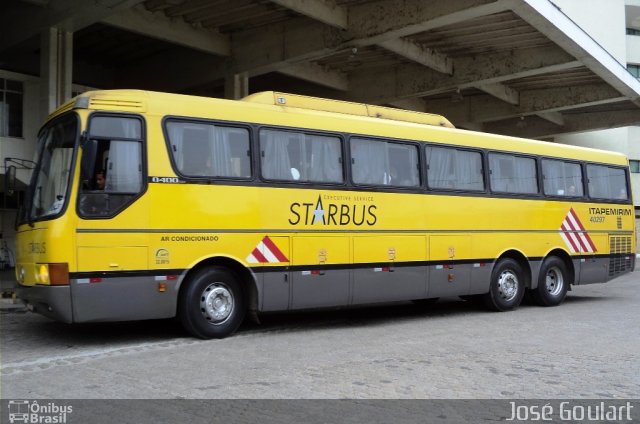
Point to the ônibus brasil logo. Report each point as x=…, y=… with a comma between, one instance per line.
x=34, y=412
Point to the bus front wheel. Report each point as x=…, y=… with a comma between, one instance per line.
x=553, y=283
x=507, y=286
x=212, y=304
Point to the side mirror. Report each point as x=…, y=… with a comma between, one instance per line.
x=10, y=180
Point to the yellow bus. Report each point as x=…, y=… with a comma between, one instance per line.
x=149, y=205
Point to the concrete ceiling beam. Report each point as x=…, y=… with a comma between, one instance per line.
x=415, y=104
x=337, y=17
x=325, y=11
x=372, y=23
x=419, y=54
x=273, y=47
x=558, y=99
x=21, y=24
x=573, y=123
x=553, y=117
x=501, y=91
x=157, y=25
x=385, y=85
x=318, y=75
x=548, y=101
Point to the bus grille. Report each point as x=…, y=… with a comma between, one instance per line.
x=619, y=249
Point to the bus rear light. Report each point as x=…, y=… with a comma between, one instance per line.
x=95, y=280
x=56, y=274
x=162, y=287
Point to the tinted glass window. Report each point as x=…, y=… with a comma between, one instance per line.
x=112, y=166
x=298, y=156
x=377, y=162
x=207, y=150
x=115, y=127
x=513, y=174
x=562, y=178
x=449, y=168
x=606, y=182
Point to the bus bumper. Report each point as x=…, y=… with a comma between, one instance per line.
x=51, y=301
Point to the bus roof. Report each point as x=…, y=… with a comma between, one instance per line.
x=349, y=108
x=325, y=114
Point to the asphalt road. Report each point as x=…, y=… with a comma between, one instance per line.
x=589, y=347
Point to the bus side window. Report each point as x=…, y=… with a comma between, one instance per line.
x=512, y=174
x=562, y=178
x=606, y=182
x=370, y=162
x=300, y=157
x=207, y=150
x=196, y=157
x=451, y=168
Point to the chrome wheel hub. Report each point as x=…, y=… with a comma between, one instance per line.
x=508, y=285
x=554, y=281
x=216, y=303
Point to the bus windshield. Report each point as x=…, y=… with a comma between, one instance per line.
x=50, y=182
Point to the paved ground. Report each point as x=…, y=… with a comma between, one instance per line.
x=587, y=348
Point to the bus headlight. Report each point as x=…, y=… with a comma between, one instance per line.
x=52, y=274
x=42, y=274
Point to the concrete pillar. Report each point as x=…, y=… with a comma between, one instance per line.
x=56, y=68
x=236, y=86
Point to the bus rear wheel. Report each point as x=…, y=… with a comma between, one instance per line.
x=553, y=282
x=212, y=304
x=507, y=286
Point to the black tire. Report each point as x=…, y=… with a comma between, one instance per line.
x=212, y=304
x=553, y=282
x=507, y=286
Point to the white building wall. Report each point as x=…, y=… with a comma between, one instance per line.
x=633, y=49
x=603, y=20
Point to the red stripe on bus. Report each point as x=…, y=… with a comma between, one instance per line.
x=575, y=217
x=591, y=243
x=569, y=236
x=259, y=256
x=580, y=229
x=586, y=235
x=274, y=249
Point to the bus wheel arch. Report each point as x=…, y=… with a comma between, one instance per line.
x=215, y=281
x=522, y=260
x=510, y=277
x=568, y=261
x=555, y=277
